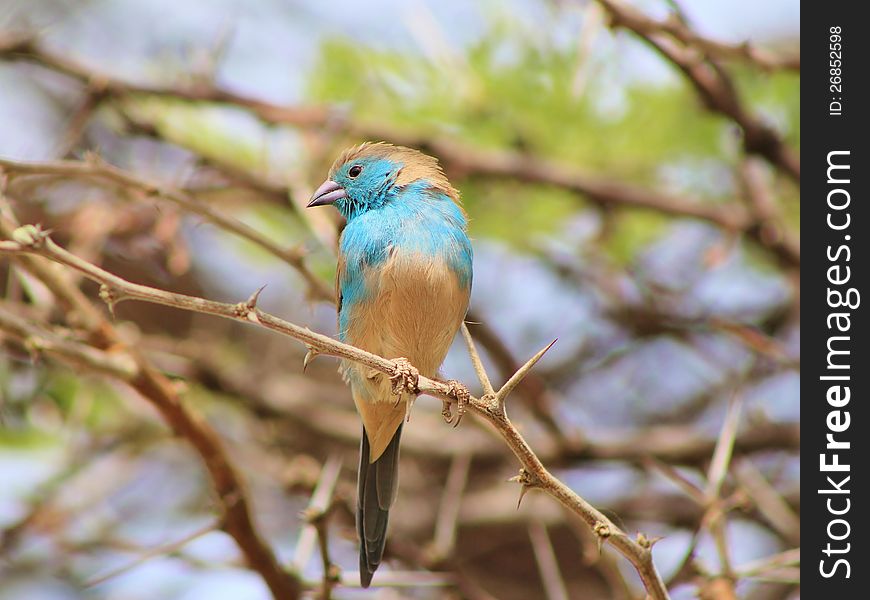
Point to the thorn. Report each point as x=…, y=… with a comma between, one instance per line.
x=645, y=542
x=476, y=362
x=108, y=296
x=523, y=491
x=602, y=531
x=309, y=356
x=248, y=308
x=251, y=305
x=525, y=479
x=253, y=298
x=521, y=373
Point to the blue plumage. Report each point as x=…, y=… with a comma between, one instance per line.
x=403, y=284
x=419, y=219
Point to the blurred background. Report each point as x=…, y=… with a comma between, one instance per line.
x=631, y=173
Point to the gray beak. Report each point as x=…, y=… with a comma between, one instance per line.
x=327, y=193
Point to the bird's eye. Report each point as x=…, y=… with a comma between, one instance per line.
x=354, y=171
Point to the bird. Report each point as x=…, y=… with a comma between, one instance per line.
x=403, y=284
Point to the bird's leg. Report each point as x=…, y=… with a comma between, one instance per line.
x=462, y=395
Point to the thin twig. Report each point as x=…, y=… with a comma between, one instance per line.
x=316, y=529
x=95, y=168
x=157, y=389
x=713, y=85
x=162, y=550
x=548, y=565
x=715, y=517
x=769, y=501
x=451, y=501
x=724, y=448
x=677, y=27
x=763, y=566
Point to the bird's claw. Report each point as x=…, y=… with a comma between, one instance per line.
x=405, y=378
x=408, y=406
x=462, y=395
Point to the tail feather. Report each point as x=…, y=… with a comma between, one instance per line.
x=376, y=489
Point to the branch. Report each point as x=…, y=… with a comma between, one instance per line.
x=158, y=390
x=163, y=550
x=769, y=229
x=548, y=564
x=317, y=515
x=712, y=83
x=677, y=28
x=32, y=240
x=772, y=506
x=27, y=48
x=448, y=510
x=95, y=168
x=508, y=165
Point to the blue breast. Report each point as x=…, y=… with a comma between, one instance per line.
x=418, y=219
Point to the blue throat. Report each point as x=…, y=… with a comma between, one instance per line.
x=415, y=218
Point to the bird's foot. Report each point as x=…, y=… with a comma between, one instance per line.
x=462, y=395
x=405, y=378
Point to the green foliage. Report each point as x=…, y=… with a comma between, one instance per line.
x=511, y=90
x=630, y=231
x=201, y=127
x=526, y=101
x=777, y=97
x=497, y=208
x=36, y=409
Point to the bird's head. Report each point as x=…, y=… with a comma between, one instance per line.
x=371, y=175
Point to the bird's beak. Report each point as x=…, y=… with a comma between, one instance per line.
x=327, y=193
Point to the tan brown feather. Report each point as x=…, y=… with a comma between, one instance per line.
x=415, y=165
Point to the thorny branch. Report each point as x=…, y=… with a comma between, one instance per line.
x=694, y=56
x=95, y=168
x=136, y=371
x=31, y=240
x=675, y=26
